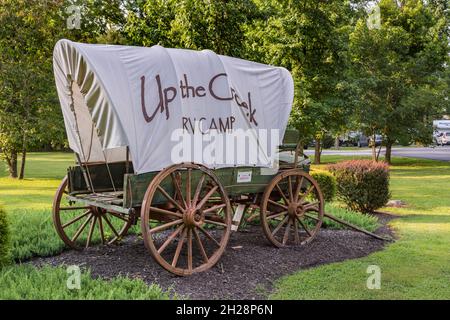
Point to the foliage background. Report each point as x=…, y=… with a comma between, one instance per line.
x=391, y=80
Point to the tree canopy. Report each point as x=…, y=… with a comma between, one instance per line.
x=386, y=77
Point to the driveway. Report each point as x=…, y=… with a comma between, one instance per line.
x=437, y=153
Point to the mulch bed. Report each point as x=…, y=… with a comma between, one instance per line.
x=244, y=273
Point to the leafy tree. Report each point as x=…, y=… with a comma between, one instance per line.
x=27, y=117
x=217, y=25
x=30, y=115
x=398, y=70
x=149, y=23
x=213, y=24
x=100, y=21
x=309, y=38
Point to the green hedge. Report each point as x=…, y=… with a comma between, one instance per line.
x=327, y=183
x=5, y=241
x=363, y=185
x=24, y=281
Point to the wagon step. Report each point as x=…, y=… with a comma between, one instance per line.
x=356, y=228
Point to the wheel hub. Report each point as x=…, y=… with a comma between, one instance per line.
x=300, y=210
x=294, y=209
x=97, y=212
x=193, y=217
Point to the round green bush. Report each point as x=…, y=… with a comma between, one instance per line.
x=4, y=239
x=363, y=185
x=327, y=183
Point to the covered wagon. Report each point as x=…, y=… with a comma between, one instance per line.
x=186, y=144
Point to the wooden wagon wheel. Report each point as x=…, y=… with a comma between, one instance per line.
x=292, y=209
x=80, y=226
x=190, y=231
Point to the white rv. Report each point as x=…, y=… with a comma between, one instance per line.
x=441, y=132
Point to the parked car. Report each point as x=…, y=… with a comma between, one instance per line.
x=378, y=140
x=362, y=141
x=348, y=143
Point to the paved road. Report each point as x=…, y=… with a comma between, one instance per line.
x=437, y=153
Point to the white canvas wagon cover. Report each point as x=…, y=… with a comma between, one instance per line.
x=113, y=97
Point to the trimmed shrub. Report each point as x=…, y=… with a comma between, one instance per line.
x=327, y=183
x=5, y=243
x=363, y=185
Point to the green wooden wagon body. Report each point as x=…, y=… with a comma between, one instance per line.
x=117, y=188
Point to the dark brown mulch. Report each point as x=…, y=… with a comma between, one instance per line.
x=245, y=273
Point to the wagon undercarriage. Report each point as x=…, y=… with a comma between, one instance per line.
x=187, y=212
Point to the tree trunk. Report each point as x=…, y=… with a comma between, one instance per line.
x=374, y=148
x=24, y=156
x=12, y=164
x=301, y=148
x=336, y=142
x=388, y=155
x=317, y=152
x=22, y=165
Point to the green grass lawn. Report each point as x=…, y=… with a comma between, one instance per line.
x=28, y=204
x=417, y=266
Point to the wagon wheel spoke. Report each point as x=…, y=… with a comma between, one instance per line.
x=214, y=208
x=200, y=245
x=165, y=226
x=307, y=192
x=296, y=236
x=298, y=187
x=277, y=204
x=209, y=236
x=188, y=187
x=91, y=231
x=311, y=206
x=179, y=247
x=304, y=226
x=197, y=191
x=286, y=232
x=76, y=219
x=102, y=231
x=170, y=239
x=207, y=196
x=218, y=223
x=278, y=227
x=276, y=215
x=311, y=217
x=111, y=225
x=309, y=213
x=176, y=181
x=81, y=228
x=189, y=244
x=167, y=212
x=291, y=197
x=171, y=200
x=286, y=201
